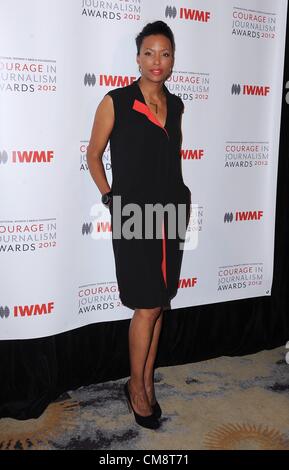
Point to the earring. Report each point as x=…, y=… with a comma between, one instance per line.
x=139, y=67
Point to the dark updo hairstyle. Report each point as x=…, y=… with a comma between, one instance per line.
x=157, y=27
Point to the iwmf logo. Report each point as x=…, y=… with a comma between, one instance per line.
x=26, y=310
x=26, y=156
x=240, y=216
x=251, y=90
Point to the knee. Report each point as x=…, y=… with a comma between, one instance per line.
x=149, y=313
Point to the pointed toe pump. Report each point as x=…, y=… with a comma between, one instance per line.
x=150, y=421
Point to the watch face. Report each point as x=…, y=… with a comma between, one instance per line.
x=106, y=198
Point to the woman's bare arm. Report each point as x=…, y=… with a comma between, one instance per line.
x=101, y=130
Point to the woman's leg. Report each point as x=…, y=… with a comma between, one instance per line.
x=141, y=333
x=149, y=366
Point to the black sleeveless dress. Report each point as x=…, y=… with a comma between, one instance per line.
x=146, y=168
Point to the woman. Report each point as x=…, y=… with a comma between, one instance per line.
x=143, y=123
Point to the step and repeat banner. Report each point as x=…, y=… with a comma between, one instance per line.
x=58, y=58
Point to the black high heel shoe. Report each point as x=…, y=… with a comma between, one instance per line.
x=150, y=421
x=157, y=411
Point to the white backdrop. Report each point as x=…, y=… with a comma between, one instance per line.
x=58, y=59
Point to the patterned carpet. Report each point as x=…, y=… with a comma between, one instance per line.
x=223, y=403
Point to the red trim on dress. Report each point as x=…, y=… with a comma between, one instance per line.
x=144, y=109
